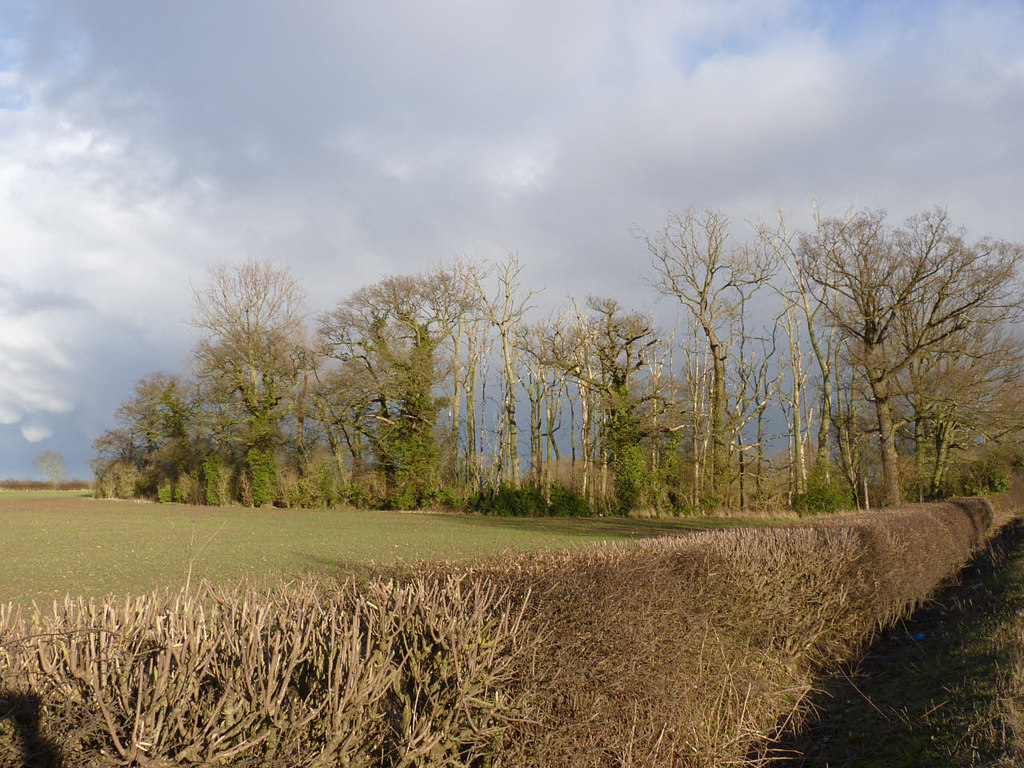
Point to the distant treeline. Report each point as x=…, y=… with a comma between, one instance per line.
x=39, y=485
x=853, y=363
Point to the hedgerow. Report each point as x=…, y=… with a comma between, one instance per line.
x=690, y=651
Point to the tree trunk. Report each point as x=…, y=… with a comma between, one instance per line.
x=586, y=444
x=455, y=405
x=886, y=442
x=942, y=443
x=535, y=395
x=472, y=470
x=719, y=438
x=825, y=419
x=511, y=433
x=919, y=455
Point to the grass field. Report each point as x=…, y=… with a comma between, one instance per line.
x=53, y=544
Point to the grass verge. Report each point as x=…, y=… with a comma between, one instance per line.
x=944, y=687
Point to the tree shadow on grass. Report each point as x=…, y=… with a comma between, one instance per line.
x=20, y=736
x=583, y=529
x=922, y=693
x=609, y=527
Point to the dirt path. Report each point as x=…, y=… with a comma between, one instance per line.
x=926, y=692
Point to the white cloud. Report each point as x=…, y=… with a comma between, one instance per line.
x=34, y=370
x=34, y=433
x=518, y=169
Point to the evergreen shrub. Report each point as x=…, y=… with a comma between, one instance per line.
x=215, y=479
x=263, y=469
x=823, y=496
x=165, y=493
x=565, y=502
x=509, y=501
x=529, y=501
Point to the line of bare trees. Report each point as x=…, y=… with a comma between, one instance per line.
x=855, y=361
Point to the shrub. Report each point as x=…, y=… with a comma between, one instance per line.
x=418, y=673
x=325, y=476
x=262, y=471
x=448, y=498
x=709, y=502
x=985, y=479
x=366, y=490
x=692, y=651
x=118, y=480
x=529, y=501
x=509, y=501
x=408, y=498
x=565, y=502
x=186, y=489
x=299, y=492
x=245, y=495
x=629, y=469
x=823, y=495
x=165, y=493
x=215, y=477
x=673, y=651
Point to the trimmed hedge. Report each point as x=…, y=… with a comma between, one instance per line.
x=689, y=651
x=389, y=674
x=699, y=650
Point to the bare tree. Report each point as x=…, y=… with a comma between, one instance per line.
x=252, y=318
x=754, y=389
x=506, y=309
x=960, y=394
x=921, y=282
x=851, y=425
x=452, y=291
x=569, y=346
x=711, y=277
x=533, y=346
x=809, y=298
x=52, y=466
x=794, y=401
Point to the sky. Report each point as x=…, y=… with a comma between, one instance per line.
x=143, y=143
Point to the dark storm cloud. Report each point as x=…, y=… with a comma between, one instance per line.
x=15, y=300
x=349, y=140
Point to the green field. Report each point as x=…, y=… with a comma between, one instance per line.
x=54, y=544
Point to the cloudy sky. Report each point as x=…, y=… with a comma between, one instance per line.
x=142, y=143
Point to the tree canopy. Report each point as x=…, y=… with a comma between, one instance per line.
x=854, y=361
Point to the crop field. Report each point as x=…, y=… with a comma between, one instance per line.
x=54, y=544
